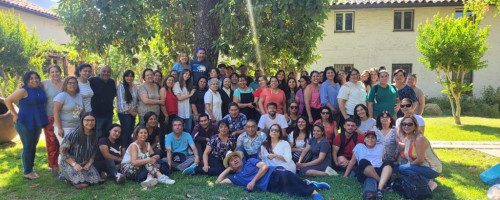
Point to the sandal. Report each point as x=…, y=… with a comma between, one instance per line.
x=31, y=176
x=380, y=194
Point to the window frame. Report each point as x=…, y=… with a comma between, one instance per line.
x=403, y=21
x=403, y=66
x=345, y=67
x=343, y=22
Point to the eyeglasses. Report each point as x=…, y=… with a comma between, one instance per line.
x=409, y=124
x=274, y=130
x=294, y=107
x=406, y=105
x=325, y=113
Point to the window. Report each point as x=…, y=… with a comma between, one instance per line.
x=467, y=80
x=344, y=21
x=345, y=67
x=403, y=20
x=460, y=13
x=406, y=67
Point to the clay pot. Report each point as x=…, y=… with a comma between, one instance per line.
x=7, y=130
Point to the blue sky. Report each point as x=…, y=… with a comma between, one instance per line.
x=44, y=3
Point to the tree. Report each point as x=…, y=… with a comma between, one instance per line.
x=453, y=47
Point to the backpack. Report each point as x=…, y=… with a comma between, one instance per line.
x=375, y=87
x=343, y=144
x=411, y=187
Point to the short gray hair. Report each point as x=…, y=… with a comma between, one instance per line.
x=212, y=80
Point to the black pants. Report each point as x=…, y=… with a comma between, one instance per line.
x=165, y=128
x=200, y=146
x=284, y=181
x=216, y=167
x=363, y=163
x=107, y=166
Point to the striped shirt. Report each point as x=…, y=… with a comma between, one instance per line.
x=123, y=107
x=71, y=148
x=430, y=158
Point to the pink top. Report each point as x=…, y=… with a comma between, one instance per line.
x=278, y=98
x=257, y=92
x=330, y=131
x=315, y=99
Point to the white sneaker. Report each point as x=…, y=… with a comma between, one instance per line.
x=165, y=179
x=149, y=182
x=330, y=171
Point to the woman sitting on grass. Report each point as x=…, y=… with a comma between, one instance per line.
x=140, y=158
x=321, y=155
x=110, y=155
x=276, y=151
x=77, y=154
x=299, y=138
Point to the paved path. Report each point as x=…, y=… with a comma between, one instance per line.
x=491, y=148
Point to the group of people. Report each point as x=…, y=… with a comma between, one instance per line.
x=205, y=120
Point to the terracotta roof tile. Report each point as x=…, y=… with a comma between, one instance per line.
x=25, y=5
x=352, y=2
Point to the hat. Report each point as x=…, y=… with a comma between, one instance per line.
x=370, y=133
x=230, y=154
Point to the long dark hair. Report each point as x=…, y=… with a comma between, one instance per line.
x=330, y=115
x=128, y=95
x=334, y=74
x=27, y=76
x=267, y=144
x=185, y=83
x=357, y=118
x=149, y=115
x=112, y=127
x=296, y=131
x=197, y=86
x=384, y=114
x=165, y=83
x=82, y=136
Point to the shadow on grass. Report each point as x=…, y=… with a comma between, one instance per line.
x=484, y=130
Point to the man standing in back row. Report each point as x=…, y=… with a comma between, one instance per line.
x=102, y=102
x=200, y=66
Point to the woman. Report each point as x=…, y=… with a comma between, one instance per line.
x=291, y=90
x=234, y=81
x=150, y=122
x=213, y=101
x=83, y=73
x=282, y=85
x=386, y=136
x=351, y=94
x=365, y=78
x=77, y=154
x=328, y=123
x=149, y=95
x=140, y=157
x=407, y=108
x=421, y=158
x=110, y=155
x=215, y=151
x=226, y=94
x=68, y=107
x=52, y=87
x=404, y=90
x=312, y=99
x=183, y=90
x=276, y=151
x=262, y=80
x=183, y=63
x=213, y=73
x=293, y=116
x=329, y=91
x=244, y=97
x=321, y=155
x=273, y=94
x=169, y=109
x=127, y=101
x=361, y=116
x=412, y=82
x=304, y=73
x=30, y=119
x=195, y=101
x=157, y=78
x=383, y=96
x=341, y=77
x=175, y=74
x=304, y=81
x=373, y=76
x=299, y=138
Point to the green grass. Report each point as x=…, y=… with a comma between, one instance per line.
x=459, y=180
x=472, y=129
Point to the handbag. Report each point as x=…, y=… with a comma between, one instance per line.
x=411, y=187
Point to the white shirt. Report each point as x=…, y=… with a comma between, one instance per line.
x=367, y=125
x=215, y=101
x=374, y=155
x=354, y=94
x=283, y=149
x=265, y=122
x=184, y=107
x=87, y=93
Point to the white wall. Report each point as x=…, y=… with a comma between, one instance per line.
x=374, y=43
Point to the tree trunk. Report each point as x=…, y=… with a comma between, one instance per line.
x=207, y=29
x=457, y=110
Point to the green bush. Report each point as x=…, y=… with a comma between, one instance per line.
x=488, y=105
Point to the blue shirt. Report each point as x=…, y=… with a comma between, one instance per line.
x=32, y=112
x=248, y=172
x=178, y=67
x=179, y=145
x=328, y=94
x=199, y=69
x=251, y=146
x=238, y=124
x=254, y=85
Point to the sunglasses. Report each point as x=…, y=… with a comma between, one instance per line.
x=406, y=105
x=274, y=130
x=294, y=107
x=409, y=124
x=325, y=113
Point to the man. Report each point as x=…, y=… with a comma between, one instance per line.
x=176, y=144
x=255, y=173
x=255, y=83
x=202, y=133
x=243, y=72
x=236, y=121
x=344, y=143
x=249, y=142
x=404, y=90
x=200, y=66
x=222, y=71
x=104, y=89
x=368, y=157
x=267, y=120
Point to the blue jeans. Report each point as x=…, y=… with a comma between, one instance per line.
x=425, y=172
x=102, y=125
x=29, y=138
x=188, y=124
x=127, y=123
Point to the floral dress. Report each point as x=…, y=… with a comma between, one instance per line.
x=131, y=171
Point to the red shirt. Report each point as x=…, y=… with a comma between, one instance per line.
x=278, y=98
x=350, y=146
x=171, y=103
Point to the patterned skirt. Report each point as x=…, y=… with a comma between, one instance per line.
x=131, y=171
x=90, y=177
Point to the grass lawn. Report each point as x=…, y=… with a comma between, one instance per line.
x=459, y=180
x=472, y=129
